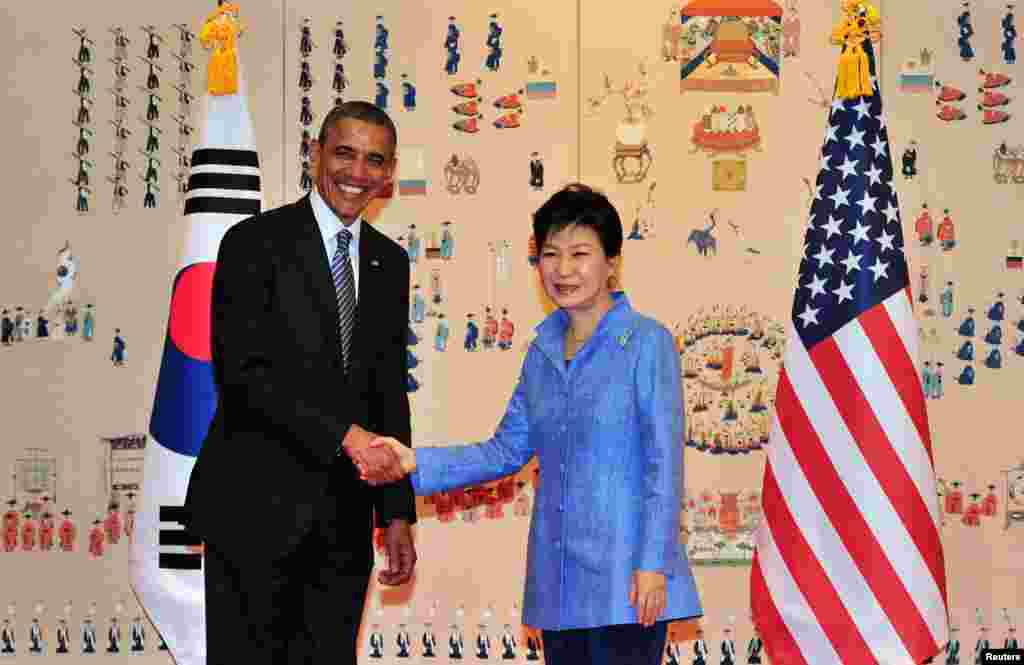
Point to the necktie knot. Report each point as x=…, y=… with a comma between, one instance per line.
x=344, y=238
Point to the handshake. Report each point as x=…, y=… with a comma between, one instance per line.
x=380, y=459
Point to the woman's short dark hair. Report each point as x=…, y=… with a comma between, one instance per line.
x=579, y=205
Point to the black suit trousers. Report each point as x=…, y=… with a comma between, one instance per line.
x=303, y=608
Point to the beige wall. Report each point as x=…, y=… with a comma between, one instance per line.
x=63, y=395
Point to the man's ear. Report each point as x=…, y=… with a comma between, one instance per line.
x=393, y=170
x=314, y=155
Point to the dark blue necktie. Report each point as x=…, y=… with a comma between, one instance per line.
x=345, y=286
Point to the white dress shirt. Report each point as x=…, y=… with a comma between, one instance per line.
x=330, y=225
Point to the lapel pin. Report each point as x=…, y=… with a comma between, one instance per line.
x=375, y=263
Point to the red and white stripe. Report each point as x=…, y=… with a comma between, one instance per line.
x=849, y=566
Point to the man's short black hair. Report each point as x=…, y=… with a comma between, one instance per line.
x=579, y=205
x=358, y=110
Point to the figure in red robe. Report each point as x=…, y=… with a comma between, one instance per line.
x=470, y=109
x=11, y=516
x=923, y=226
x=509, y=102
x=68, y=533
x=991, y=99
x=46, y=529
x=947, y=232
x=96, y=539
x=955, y=500
x=468, y=125
x=990, y=503
x=10, y=537
x=505, y=331
x=949, y=113
x=509, y=120
x=993, y=116
x=112, y=526
x=948, y=93
x=972, y=516
x=490, y=328
x=28, y=533
x=470, y=90
x=993, y=79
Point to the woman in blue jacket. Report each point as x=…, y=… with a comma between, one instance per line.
x=600, y=403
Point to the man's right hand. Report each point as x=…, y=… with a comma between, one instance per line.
x=377, y=465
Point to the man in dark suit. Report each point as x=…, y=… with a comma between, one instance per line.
x=310, y=314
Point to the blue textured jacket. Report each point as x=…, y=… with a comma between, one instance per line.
x=608, y=433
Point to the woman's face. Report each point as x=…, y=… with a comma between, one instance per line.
x=574, y=268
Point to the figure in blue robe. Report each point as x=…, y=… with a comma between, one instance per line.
x=966, y=32
x=946, y=298
x=419, y=305
x=1009, y=51
x=408, y=96
x=441, y=336
x=994, y=359
x=380, y=41
x=381, y=99
x=88, y=324
x=998, y=310
x=926, y=379
x=493, y=61
x=451, y=64
x=447, y=242
x=994, y=336
x=472, y=333
x=966, y=351
x=413, y=247
x=451, y=40
x=966, y=328
x=1009, y=37
x=380, y=66
x=966, y=377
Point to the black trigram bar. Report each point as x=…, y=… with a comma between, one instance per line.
x=223, y=169
x=225, y=156
x=177, y=538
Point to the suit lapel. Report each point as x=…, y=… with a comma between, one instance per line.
x=311, y=253
x=370, y=274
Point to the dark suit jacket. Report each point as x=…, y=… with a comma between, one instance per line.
x=268, y=470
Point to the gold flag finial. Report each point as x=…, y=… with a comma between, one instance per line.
x=859, y=26
x=219, y=35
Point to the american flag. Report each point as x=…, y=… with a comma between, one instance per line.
x=848, y=566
